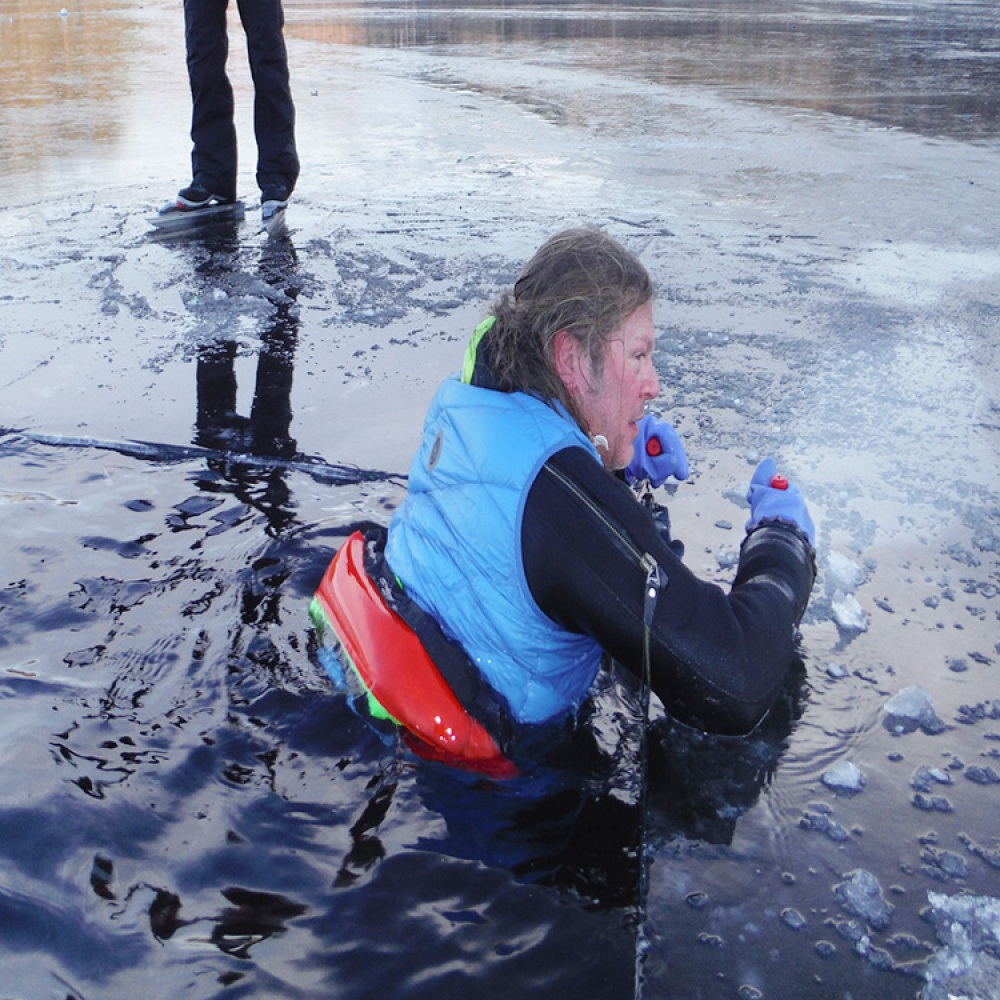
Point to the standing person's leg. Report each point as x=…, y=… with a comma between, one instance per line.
x=274, y=111
x=213, y=132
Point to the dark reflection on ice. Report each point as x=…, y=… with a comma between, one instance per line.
x=267, y=430
x=253, y=917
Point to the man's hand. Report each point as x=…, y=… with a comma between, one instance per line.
x=658, y=453
x=771, y=495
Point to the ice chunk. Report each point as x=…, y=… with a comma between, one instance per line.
x=924, y=778
x=821, y=820
x=727, y=557
x=844, y=776
x=842, y=574
x=968, y=928
x=944, y=863
x=931, y=803
x=913, y=704
x=983, y=775
x=847, y=613
x=861, y=894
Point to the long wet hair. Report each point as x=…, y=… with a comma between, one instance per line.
x=580, y=280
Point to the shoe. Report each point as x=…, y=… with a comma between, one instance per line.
x=195, y=196
x=272, y=202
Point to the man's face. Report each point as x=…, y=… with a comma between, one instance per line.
x=612, y=400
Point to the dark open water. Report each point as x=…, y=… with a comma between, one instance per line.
x=189, y=429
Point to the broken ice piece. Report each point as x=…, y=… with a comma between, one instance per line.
x=842, y=574
x=924, y=777
x=727, y=557
x=848, y=613
x=844, y=776
x=913, y=705
x=861, y=895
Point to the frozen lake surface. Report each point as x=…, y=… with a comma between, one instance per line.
x=189, y=428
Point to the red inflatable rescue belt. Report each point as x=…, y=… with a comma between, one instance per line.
x=388, y=659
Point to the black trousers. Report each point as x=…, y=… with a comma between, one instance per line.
x=214, y=156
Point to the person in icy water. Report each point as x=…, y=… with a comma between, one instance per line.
x=213, y=132
x=521, y=538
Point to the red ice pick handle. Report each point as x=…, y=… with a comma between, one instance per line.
x=653, y=447
x=779, y=483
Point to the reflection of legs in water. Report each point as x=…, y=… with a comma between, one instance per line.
x=218, y=424
x=266, y=432
x=271, y=413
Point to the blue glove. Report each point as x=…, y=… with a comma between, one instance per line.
x=784, y=501
x=658, y=454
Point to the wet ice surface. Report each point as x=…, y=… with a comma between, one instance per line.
x=186, y=799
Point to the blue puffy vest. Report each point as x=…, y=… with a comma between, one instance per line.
x=455, y=543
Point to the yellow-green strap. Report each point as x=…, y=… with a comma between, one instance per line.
x=470, y=352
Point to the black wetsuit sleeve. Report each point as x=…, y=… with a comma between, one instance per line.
x=718, y=659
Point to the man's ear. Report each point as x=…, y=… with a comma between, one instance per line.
x=567, y=353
